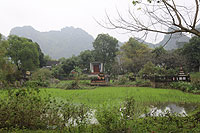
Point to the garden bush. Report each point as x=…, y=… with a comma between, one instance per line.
x=42, y=77
x=186, y=87
x=138, y=82
x=143, y=83
x=195, y=80
x=73, y=85
x=25, y=109
x=115, y=119
x=122, y=80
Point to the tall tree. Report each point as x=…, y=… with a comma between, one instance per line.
x=191, y=51
x=86, y=57
x=24, y=53
x=105, y=50
x=134, y=55
x=6, y=67
x=170, y=60
x=41, y=56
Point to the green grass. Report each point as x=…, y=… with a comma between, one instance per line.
x=115, y=95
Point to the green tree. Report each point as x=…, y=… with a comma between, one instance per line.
x=47, y=58
x=148, y=69
x=167, y=59
x=158, y=51
x=41, y=57
x=105, y=50
x=171, y=60
x=6, y=67
x=70, y=64
x=191, y=51
x=58, y=71
x=86, y=57
x=24, y=53
x=134, y=55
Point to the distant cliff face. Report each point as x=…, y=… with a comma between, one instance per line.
x=177, y=40
x=65, y=43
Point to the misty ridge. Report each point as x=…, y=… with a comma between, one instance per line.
x=71, y=41
x=57, y=44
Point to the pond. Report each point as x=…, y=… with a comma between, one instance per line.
x=172, y=108
x=161, y=110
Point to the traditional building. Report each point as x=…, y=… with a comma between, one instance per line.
x=49, y=64
x=96, y=67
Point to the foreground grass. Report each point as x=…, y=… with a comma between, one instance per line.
x=110, y=119
x=115, y=95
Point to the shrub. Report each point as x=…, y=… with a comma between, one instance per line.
x=115, y=119
x=25, y=109
x=185, y=86
x=143, y=83
x=73, y=85
x=31, y=84
x=195, y=80
x=123, y=80
x=148, y=69
x=42, y=76
x=108, y=119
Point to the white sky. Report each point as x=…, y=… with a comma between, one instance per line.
x=46, y=15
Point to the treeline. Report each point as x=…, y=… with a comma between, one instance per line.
x=134, y=57
x=19, y=55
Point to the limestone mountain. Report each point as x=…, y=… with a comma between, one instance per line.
x=175, y=41
x=64, y=43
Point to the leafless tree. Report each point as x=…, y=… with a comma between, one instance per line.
x=158, y=16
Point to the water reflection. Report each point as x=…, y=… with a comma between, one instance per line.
x=162, y=110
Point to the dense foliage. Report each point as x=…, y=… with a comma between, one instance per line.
x=134, y=55
x=105, y=50
x=191, y=52
x=24, y=53
x=7, y=69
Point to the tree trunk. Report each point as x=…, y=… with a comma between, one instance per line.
x=199, y=68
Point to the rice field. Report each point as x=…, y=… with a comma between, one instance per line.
x=116, y=95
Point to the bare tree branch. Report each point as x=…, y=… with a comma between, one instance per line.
x=160, y=16
x=196, y=14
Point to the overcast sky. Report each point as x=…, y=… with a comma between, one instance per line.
x=46, y=15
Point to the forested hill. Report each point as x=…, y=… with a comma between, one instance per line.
x=64, y=43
